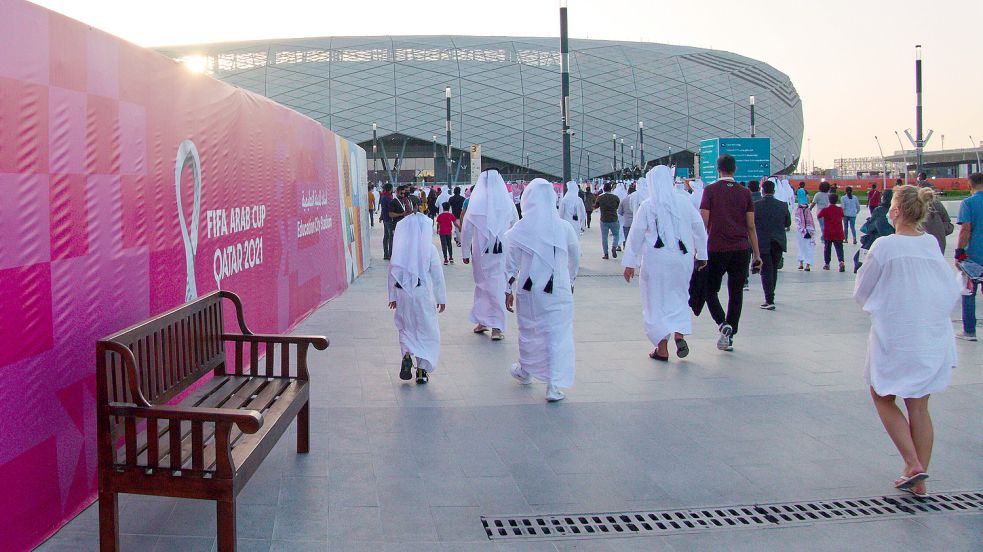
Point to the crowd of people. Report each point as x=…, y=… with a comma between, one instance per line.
x=681, y=239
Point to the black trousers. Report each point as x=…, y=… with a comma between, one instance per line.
x=446, y=247
x=827, y=254
x=371, y=217
x=735, y=265
x=387, y=238
x=771, y=257
x=588, y=218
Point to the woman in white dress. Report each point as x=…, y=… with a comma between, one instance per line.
x=909, y=291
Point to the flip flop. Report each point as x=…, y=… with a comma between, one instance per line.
x=659, y=358
x=906, y=483
x=481, y=330
x=912, y=492
x=682, y=348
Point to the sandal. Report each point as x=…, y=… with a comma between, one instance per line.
x=656, y=356
x=906, y=482
x=682, y=348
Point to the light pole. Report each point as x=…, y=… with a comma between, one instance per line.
x=883, y=161
x=614, y=153
x=919, y=144
x=622, y=155
x=375, y=150
x=447, y=96
x=435, y=159
x=979, y=168
x=641, y=146
x=565, y=89
x=904, y=152
x=632, y=157
x=588, y=165
x=751, y=100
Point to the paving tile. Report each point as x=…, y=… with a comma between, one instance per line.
x=394, y=467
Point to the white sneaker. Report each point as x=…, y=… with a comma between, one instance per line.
x=553, y=394
x=725, y=343
x=521, y=375
x=966, y=336
x=497, y=335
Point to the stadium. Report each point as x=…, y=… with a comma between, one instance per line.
x=505, y=96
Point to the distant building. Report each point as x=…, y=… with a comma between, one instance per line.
x=506, y=95
x=866, y=166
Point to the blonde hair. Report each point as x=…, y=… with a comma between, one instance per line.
x=914, y=204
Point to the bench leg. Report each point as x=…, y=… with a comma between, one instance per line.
x=108, y=522
x=304, y=429
x=225, y=515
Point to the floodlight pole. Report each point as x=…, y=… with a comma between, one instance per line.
x=883, y=161
x=904, y=152
x=435, y=159
x=641, y=146
x=375, y=149
x=614, y=153
x=979, y=168
x=751, y=100
x=919, y=144
x=622, y=156
x=447, y=122
x=632, y=157
x=565, y=89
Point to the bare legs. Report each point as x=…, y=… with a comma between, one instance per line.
x=912, y=436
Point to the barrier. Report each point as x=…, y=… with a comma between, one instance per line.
x=129, y=184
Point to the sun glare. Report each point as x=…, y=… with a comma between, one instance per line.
x=197, y=64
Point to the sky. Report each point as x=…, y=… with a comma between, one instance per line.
x=852, y=61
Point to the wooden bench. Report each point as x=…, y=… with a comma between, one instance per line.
x=209, y=444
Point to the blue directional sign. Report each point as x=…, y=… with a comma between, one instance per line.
x=753, y=156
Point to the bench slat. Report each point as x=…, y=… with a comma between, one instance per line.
x=249, y=443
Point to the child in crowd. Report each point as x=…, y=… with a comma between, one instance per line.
x=806, y=228
x=416, y=286
x=831, y=218
x=446, y=224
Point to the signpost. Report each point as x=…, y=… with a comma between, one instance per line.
x=753, y=156
x=475, y=163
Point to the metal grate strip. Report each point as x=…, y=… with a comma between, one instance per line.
x=781, y=514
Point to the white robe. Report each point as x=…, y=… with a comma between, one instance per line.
x=489, y=271
x=416, y=314
x=666, y=271
x=909, y=291
x=546, y=346
x=575, y=213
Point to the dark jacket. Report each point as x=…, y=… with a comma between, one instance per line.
x=771, y=218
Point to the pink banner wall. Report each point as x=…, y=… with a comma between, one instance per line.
x=129, y=184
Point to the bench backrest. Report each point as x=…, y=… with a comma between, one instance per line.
x=170, y=352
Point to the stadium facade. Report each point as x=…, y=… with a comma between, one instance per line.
x=505, y=96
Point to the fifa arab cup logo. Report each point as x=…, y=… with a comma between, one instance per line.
x=187, y=155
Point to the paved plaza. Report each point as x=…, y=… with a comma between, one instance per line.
x=399, y=467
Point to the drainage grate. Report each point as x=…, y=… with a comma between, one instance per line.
x=613, y=524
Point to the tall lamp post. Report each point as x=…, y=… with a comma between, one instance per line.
x=751, y=100
x=883, y=161
x=919, y=144
x=632, y=157
x=614, y=153
x=435, y=159
x=375, y=150
x=641, y=146
x=622, y=155
x=904, y=152
x=447, y=123
x=565, y=89
x=979, y=168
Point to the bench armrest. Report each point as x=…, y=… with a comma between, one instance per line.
x=318, y=341
x=249, y=421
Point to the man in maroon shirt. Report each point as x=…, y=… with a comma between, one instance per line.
x=728, y=213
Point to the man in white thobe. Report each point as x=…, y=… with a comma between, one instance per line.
x=489, y=216
x=666, y=235
x=572, y=208
x=542, y=264
x=417, y=293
